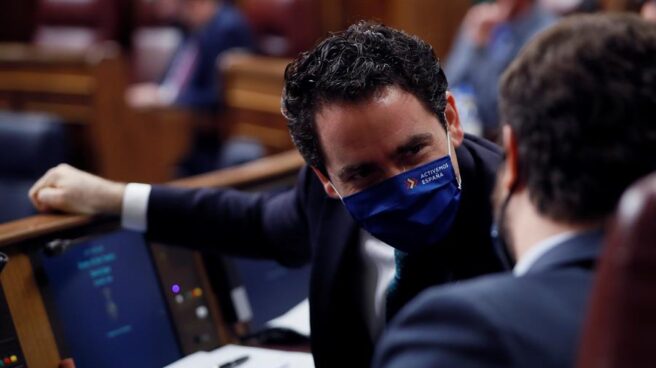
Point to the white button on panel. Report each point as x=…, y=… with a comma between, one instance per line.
x=202, y=312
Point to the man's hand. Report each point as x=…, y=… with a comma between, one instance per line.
x=145, y=96
x=65, y=188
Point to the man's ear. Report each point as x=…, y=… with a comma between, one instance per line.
x=327, y=185
x=511, y=169
x=453, y=120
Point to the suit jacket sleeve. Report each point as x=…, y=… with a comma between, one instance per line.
x=256, y=225
x=441, y=329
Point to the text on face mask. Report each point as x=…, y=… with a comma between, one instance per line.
x=433, y=174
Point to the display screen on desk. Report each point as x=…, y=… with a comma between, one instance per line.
x=107, y=304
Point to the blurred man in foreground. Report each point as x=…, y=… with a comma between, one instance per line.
x=579, y=107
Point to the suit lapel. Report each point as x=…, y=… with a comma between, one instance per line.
x=336, y=295
x=337, y=231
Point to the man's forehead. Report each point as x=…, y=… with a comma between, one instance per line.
x=374, y=112
x=382, y=94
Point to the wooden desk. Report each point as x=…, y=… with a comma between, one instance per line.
x=16, y=239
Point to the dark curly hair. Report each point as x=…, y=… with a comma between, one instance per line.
x=350, y=67
x=581, y=100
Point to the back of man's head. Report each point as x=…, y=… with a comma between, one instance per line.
x=581, y=102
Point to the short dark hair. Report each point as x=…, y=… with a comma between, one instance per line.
x=581, y=101
x=350, y=67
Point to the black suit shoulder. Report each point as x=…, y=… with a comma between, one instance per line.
x=442, y=327
x=492, y=321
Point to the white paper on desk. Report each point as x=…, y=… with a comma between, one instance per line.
x=257, y=358
x=297, y=319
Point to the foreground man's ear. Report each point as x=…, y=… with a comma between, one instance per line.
x=327, y=185
x=453, y=121
x=510, y=173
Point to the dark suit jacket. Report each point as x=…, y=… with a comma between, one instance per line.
x=303, y=224
x=499, y=321
x=228, y=29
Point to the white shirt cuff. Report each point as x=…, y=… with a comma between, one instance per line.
x=135, y=207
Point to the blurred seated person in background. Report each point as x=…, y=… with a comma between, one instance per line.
x=648, y=10
x=579, y=112
x=489, y=38
x=191, y=80
x=211, y=27
x=389, y=166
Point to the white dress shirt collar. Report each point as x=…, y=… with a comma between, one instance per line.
x=540, y=249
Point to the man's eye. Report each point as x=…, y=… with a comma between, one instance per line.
x=364, y=178
x=413, y=151
x=360, y=175
x=414, y=155
x=416, y=149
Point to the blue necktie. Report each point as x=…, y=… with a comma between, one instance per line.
x=395, y=297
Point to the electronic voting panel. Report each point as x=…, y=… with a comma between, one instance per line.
x=114, y=301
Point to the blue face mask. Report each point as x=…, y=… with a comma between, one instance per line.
x=412, y=210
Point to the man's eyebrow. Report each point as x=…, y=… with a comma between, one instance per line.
x=412, y=142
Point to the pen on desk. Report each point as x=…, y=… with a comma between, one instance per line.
x=235, y=363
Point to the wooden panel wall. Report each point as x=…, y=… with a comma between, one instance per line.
x=435, y=21
x=621, y=5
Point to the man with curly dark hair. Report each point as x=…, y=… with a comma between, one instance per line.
x=579, y=106
x=388, y=167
